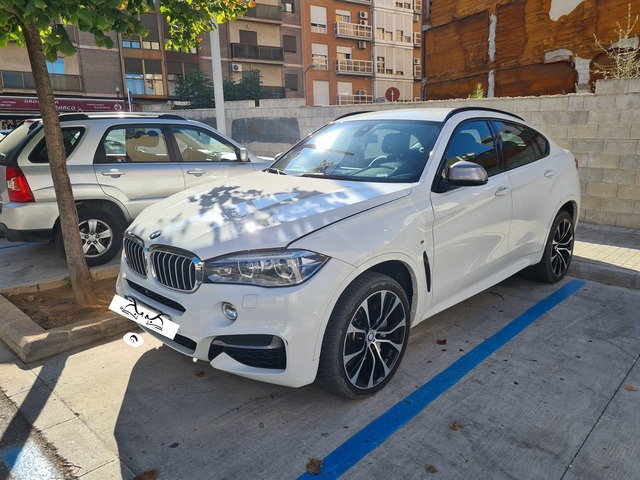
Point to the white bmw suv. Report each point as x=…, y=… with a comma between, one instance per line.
x=316, y=268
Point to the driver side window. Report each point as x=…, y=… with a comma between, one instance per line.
x=197, y=145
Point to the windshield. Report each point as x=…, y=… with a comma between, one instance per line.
x=363, y=150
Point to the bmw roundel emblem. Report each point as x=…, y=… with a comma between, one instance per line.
x=155, y=234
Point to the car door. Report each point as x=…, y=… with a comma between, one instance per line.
x=471, y=224
x=206, y=156
x=134, y=167
x=532, y=173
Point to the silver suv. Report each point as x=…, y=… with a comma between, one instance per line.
x=118, y=164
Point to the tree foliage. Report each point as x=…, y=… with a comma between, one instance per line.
x=187, y=19
x=197, y=89
x=39, y=25
x=247, y=89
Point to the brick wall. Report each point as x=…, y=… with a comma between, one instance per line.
x=601, y=129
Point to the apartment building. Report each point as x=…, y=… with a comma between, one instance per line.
x=267, y=38
x=91, y=80
x=332, y=52
x=361, y=51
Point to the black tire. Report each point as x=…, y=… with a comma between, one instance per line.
x=558, y=251
x=101, y=235
x=358, y=356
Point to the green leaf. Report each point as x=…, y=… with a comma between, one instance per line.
x=29, y=8
x=44, y=22
x=67, y=48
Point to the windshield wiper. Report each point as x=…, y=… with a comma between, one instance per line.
x=324, y=175
x=277, y=171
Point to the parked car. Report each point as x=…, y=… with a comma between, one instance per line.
x=118, y=164
x=317, y=267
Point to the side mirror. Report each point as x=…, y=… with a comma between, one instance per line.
x=466, y=174
x=244, y=154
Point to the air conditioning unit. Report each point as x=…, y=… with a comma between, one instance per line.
x=364, y=22
x=416, y=61
x=362, y=44
x=236, y=67
x=362, y=93
x=364, y=15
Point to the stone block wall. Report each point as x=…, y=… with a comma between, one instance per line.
x=601, y=129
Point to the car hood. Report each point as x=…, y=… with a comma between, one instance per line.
x=256, y=211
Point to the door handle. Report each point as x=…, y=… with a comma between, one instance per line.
x=502, y=191
x=114, y=173
x=549, y=173
x=197, y=172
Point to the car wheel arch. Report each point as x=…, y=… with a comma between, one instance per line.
x=399, y=269
x=110, y=207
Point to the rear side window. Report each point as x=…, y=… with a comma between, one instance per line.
x=10, y=143
x=520, y=145
x=133, y=144
x=473, y=142
x=70, y=137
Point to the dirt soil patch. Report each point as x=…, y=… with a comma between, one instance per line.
x=56, y=307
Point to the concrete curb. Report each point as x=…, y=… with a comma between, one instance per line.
x=604, y=273
x=30, y=342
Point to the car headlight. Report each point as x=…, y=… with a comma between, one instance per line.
x=267, y=269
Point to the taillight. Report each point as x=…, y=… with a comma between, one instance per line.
x=18, y=187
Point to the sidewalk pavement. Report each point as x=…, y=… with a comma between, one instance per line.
x=608, y=255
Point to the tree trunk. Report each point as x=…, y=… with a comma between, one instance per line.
x=81, y=280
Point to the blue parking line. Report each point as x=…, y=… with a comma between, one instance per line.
x=373, y=435
x=15, y=245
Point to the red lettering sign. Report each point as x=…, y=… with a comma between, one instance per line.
x=31, y=104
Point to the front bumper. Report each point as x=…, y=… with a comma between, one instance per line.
x=276, y=335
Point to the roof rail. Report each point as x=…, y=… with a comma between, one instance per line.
x=73, y=116
x=483, y=109
x=349, y=114
x=172, y=116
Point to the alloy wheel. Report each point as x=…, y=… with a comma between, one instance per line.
x=375, y=339
x=562, y=248
x=96, y=237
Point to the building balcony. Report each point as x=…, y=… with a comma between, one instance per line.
x=354, y=67
x=417, y=71
x=13, y=80
x=264, y=12
x=267, y=92
x=353, y=30
x=405, y=4
x=397, y=38
x=350, y=99
x=257, y=52
x=416, y=38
